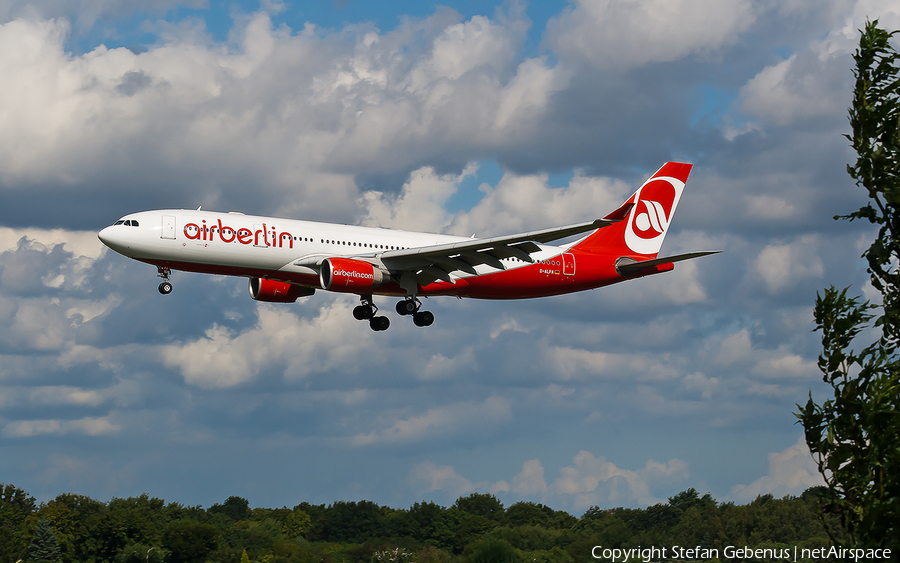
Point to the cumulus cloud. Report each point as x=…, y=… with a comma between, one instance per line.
x=519, y=203
x=298, y=346
x=782, y=265
x=610, y=34
x=440, y=422
x=430, y=477
x=791, y=472
x=594, y=480
x=334, y=106
x=420, y=204
x=589, y=481
x=91, y=426
x=802, y=87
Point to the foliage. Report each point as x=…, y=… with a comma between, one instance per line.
x=493, y=550
x=236, y=508
x=476, y=528
x=15, y=507
x=297, y=523
x=140, y=553
x=190, y=542
x=855, y=436
x=43, y=546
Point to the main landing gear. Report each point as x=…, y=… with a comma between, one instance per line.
x=366, y=310
x=411, y=306
x=166, y=286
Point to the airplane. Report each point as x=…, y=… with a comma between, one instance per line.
x=286, y=259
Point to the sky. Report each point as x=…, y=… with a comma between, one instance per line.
x=470, y=117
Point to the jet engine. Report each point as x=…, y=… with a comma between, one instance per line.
x=272, y=291
x=350, y=276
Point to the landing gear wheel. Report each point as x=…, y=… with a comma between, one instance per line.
x=164, y=272
x=407, y=307
x=379, y=323
x=423, y=318
x=363, y=312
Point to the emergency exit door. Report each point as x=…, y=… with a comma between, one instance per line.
x=568, y=260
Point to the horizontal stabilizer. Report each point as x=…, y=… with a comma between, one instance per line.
x=621, y=213
x=629, y=266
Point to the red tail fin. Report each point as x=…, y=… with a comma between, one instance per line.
x=647, y=214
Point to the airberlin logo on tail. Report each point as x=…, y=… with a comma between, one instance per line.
x=649, y=219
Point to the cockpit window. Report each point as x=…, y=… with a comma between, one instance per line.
x=134, y=223
x=119, y=222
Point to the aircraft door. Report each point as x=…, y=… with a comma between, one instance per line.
x=568, y=260
x=168, y=227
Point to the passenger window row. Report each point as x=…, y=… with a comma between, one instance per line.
x=363, y=244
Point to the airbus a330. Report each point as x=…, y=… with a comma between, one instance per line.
x=286, y=259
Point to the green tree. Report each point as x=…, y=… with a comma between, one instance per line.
x=481, y=504
x=493, y=550
x=43, y=546
x=236, y=508
x=296, y=524
x=15, y=507
x=190, y=542
x=855, y=437
x=528, y=513
x=141, y=553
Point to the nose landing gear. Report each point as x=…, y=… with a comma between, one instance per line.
x=166, y=286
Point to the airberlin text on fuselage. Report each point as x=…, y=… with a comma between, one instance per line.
x=242, y=235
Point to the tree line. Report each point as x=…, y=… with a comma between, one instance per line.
x=477, y=528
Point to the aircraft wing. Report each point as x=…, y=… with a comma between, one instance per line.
x=428, y=264
x=432, y=263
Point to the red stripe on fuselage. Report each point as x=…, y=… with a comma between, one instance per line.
x=543, y=279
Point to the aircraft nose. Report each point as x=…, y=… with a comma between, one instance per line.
x=112, y=237
x=104, y=235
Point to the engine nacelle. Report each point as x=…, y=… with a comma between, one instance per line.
x=350, y=276
x=272, y=291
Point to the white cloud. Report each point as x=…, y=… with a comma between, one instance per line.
x=299, y=113
x=791, y=472
x=78, y=243
x=589, y=481
x=280, y=340
x=520, y=203
x=594, y=481
x=530, y=481
x=420, y=204
x=768, y=207
x=91, y=426
x=624, y=34
x=440, y=422
x=577, y=364
x=439, y=478
x=781, y=266
x=801, y=87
